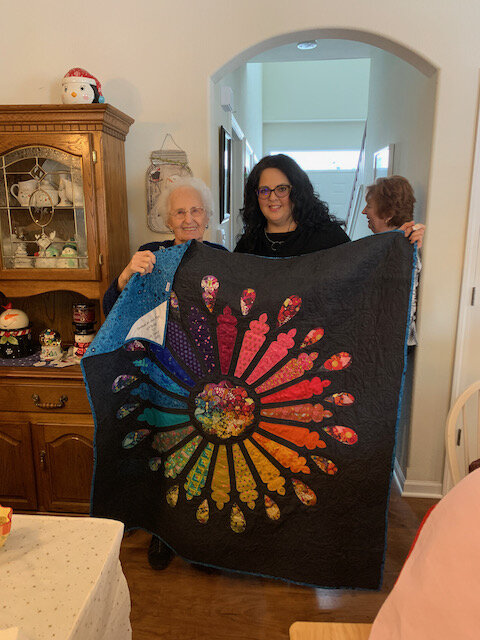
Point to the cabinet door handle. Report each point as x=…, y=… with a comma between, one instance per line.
x=43, y=455
x=49, y=405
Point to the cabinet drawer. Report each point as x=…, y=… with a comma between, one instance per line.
x=64, y=397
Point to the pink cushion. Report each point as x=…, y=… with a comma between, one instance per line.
x=437, y=595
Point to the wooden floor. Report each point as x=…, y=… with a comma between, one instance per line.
x=186, y=603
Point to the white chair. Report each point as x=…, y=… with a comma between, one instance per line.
x=463, y=432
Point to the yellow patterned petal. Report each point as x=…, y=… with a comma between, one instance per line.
x=271, y=507
x=197, y=475
x=172, y=495
x=287, y=458
x=237, y=520
x=203, y=512
x=268, y=472
x=176, y=462
x=221, y=479
x=243, y=477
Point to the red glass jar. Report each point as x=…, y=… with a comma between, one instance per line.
x=84, y=313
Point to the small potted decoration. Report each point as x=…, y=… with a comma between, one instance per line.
x=5, y=523
x=50, y=345
x=15, y=333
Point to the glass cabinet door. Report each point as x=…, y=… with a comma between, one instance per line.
x=42, y=212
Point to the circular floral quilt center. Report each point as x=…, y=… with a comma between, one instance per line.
x=224, y=410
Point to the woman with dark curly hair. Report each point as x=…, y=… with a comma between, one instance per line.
x=282, y=216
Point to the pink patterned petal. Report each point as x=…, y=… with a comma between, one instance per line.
x=312, y=336
x=252, y=341
x=246, y=301
x=210, y=288
x=345, y=435
x=276, y=351
x=289, y=309
x=338, y=361
x=294, y=368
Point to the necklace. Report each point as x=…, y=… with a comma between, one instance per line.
x=273, y=243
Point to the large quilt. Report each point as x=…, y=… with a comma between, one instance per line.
x=246, y=407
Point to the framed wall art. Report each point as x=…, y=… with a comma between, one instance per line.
x=383, y=162
x=225, y=176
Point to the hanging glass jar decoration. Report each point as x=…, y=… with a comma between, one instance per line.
x=166, y=162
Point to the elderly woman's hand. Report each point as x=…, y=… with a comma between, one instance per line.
x=414, y=231
x=142, y=262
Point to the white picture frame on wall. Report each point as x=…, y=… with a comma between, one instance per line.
x=383, y=162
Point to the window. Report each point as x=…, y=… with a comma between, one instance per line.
x=325, y=160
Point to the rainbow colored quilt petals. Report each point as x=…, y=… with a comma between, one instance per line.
x=256, y=434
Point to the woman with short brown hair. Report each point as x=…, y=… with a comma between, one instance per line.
x=390, y=206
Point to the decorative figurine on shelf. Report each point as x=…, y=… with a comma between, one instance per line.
x=46, y=256
x=15, y=333
x=80, y=87
x=51, y=345
x=82, y=342
x=21, y=259
x=83, y=327
x=68, y=258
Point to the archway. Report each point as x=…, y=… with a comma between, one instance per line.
x=401, y=105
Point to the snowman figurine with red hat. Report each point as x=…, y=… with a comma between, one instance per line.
x=80, y=87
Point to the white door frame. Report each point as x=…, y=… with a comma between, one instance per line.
x=470, y=291
x=238, y=164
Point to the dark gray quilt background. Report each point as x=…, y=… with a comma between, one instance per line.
x=359, y=293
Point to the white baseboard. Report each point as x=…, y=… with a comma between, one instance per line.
x=398, y=476
x=422, y=489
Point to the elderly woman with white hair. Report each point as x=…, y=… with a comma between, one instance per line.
x=185, y=204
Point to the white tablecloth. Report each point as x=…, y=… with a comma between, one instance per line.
x=61, y=579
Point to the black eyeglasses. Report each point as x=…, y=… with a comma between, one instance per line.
x=281, y=191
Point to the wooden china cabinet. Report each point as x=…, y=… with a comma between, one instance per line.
x=63, y=238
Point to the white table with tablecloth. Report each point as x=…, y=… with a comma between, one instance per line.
x=61, y=579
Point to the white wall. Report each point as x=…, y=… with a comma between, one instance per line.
x=301, y=136
x=156, y=61
x=246, y=85
x=400, y=111
x=315, y=90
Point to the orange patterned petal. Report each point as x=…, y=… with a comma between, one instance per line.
x=300, y=412
x=287, y=458
x=300, y=436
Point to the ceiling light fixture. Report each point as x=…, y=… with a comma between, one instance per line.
x=308, y=44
